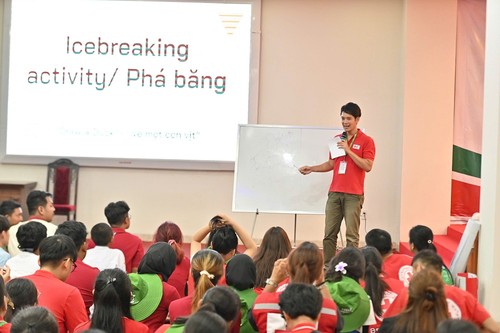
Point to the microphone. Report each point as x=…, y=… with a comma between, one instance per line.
x=344, y=136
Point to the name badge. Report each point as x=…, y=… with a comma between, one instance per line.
x=342, y=167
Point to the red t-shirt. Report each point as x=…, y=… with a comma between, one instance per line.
x=158, y=317
x=353, y=180
x=130, y=245
x=301, y=328
x=180, y=308
x=83, y=278
x=461, y=305
x=398, y=266
x=180, y=276
x=267, y=315
x=5, y=328
x=129, y=326
x=395, y=287
x=63, y=300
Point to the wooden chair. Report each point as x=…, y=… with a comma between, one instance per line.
x=62, y=182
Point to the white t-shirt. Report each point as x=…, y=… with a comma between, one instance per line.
x=103, y=257
x=23, y=264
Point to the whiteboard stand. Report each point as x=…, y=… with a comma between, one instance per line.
x=254, y=221
x=295, y=231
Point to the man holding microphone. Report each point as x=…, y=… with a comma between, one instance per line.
x=346, y=194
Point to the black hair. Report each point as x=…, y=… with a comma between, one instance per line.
x=37, y=199
x=351, y=108
x=101, y=234
x=456, y=325
x=241, y=272
x=22, y=293
x=205, y=321
x=56, y=248
x=429, y=259
x=300, y=299
x=112, y=292
x=4, y=224
x=225, y=301
x=375, y=287
x=116, y=212
x=34, y=319
x=160, y=258
x=74, y=230
x=222, y=238
x=379, y=239
x=7, y=207
x=29, y=236
x=422, y=238
x=355, y=268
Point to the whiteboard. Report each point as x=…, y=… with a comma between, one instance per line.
x=266, y=177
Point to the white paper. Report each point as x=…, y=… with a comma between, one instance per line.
x=334, y=150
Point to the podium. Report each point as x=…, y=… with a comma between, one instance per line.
x=17, y=191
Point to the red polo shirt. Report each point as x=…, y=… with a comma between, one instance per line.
x=63, y=300
x=83, y=278
x=180, y=276
x=398, y=266
x=130, y=245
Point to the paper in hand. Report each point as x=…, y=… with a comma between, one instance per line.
x=334, y=150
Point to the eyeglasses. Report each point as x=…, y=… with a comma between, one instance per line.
x=73, y=264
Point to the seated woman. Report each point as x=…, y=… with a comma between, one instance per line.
x=342, y=279
x=275, y=245
x=223, y=237
x=112, y=294
x=240, y=276
x=303, y=265
x=422, y=238
x=381, y=289
x=207, y=267
x=426, y=306
x=152, y=295
x=171, y=233
x=221, y=300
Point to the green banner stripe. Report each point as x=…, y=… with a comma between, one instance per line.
x=466, y=162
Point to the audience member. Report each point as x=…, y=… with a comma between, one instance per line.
x=207, y=267
x=41, y=209
x=4, y=325
x=12, y=211
x=395, y=265
x=112, y=305
x=301, y=306
x=275, y=245
x=223, y=233
x=240, y=275
x=34, y=319
x=205, y=321
x=303, y=265
x=381, y=289
x=461, y=304
x=152, y=294
x=221, y=300
x=456, y=326
x=171, y=233
x=426, y=306
x=102, y=256
x=29, y=236
x=342, y=280
x=22, y=293
x=83, y=276
x=117, y=214
x=57, y=260
x=422, y=238
x=4, y=240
